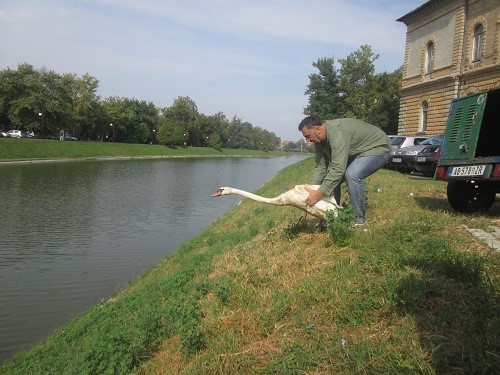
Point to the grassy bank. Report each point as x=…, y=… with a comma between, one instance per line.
x=259, y=292
x=27, y=149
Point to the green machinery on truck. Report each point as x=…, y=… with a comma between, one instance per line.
x=470, y=155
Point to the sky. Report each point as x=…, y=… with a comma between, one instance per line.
x=246, y=58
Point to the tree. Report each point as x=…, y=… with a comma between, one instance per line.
x=87, y=109
x=39, y=100
x=130, y=120
x=355, y=90
x=357, y=83
x=183, y=123
x=325, y=97
x=241, y=134
x=385, y=112
x=214, y=129
x=264, y=140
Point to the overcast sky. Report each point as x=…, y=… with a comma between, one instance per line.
x=249, y=58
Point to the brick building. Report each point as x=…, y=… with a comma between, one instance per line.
x=452, y=49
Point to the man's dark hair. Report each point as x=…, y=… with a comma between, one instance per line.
x=310, y=122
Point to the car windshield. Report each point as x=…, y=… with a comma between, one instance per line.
x=397, y=140
x=437, y=140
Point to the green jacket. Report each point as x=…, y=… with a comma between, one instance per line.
x=345, y=140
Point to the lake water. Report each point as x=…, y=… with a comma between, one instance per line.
x=73, y=233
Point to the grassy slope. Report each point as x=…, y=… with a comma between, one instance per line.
x=26, y=149
x=258, y=293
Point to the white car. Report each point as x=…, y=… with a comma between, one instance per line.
x=400, y=141
x=16, y=134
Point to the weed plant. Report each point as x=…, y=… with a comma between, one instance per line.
x=340, y=225
x=260, y=292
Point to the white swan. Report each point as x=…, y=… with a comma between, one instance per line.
x=295, y=197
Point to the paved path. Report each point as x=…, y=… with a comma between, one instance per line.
x=490, y=236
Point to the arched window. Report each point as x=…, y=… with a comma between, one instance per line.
x=477, y=42
x=429, y=58
x=425, y=111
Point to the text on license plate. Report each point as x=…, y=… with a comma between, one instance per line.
x=421, y=159
x=470, y=170
x=396, y=160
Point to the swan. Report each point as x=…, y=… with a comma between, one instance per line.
x=295, y=197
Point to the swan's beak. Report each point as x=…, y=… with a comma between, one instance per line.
x=218, y=193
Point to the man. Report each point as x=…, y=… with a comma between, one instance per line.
x=346, y=149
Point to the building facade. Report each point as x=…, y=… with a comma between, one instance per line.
x=452, y=49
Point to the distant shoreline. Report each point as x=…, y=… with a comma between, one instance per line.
x=105, y=158
x=27, y=151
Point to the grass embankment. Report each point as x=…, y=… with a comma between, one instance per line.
x=257, y=292
x=37, y=149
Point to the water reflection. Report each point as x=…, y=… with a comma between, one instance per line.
x=75, y=232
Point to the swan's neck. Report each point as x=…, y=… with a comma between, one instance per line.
x=256, y=197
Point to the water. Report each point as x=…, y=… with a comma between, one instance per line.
x=74, y=233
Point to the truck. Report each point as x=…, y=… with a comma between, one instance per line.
x=469, y=159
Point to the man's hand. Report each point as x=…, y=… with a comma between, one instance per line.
x=314, y=196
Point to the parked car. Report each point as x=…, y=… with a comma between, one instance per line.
x=400, y=141
x=68, y=137
x=4, y=135
x=427, y=159
x=404, y=159
x=16, y=134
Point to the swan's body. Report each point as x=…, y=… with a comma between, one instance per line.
x=295, y=197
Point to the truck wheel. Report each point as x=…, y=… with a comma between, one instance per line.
x=469, y=197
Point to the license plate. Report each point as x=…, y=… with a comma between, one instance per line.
x=467, y=171
x=396, y=160
x=421, y=159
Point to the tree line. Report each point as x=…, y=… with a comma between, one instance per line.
x=47, y=103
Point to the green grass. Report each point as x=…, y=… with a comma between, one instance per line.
x=28, y=149
x=259, y=292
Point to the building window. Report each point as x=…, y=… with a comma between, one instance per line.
x=425, y=111
x=477, y=43
x=429, y=58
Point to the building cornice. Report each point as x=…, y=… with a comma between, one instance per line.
x=481, y=71
x=419, y=86
x=423, y=10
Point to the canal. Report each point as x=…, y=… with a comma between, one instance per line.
x=74, y=233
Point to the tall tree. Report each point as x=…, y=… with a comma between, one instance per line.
x=214, y=129
x=325, y=97
x=355, y=90
x=183, y=123
x=241, y=134
x=385, y=112
x=130, y=120
x=22, y=93
x=357, y=83
x=87, y=110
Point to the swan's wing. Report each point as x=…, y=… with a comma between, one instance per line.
x=329, y=203
x=325, y=206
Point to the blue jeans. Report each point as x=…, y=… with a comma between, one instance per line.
x=357, y=170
